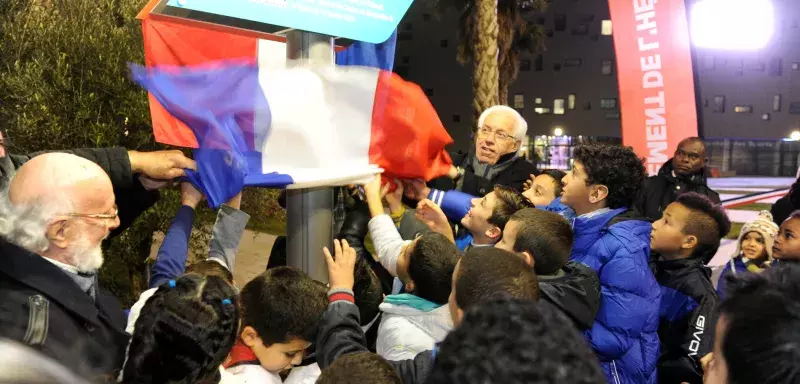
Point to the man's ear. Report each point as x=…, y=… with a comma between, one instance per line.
x=56, y=233
x=598, y=193
x=689, y=242
x=528, y=258
x=250, y=337
x=494, y=233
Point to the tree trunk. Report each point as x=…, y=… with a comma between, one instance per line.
x=485, y=75
x=502, y=93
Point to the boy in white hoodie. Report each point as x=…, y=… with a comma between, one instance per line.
x=415, y=316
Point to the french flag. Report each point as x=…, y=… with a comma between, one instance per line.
x=256, y=122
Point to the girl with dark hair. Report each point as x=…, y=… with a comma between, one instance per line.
x=184, y=332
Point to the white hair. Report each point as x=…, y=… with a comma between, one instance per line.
x=26, y=224
x=520, y=125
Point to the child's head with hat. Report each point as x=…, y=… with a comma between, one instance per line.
x=756, y=239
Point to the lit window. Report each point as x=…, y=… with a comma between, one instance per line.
x=776, y=103
x=558, y=106
x=571, y=101
x=605, y=28
x=765, y=117
x=608, y=103
x=607, y=67
x=541, y=110
x=537, y=100
x=519, y=101
x=719, y=104
x=743, y=109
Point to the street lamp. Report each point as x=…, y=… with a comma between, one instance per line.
x=558, y=132
x=795, y=136
x=737, y=25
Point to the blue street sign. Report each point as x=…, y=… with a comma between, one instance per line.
x=372, y=21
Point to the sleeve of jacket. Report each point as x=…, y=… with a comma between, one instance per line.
x=340, y=334
x=171, y=260
x=387, y=241
x=697, y=342
x=454, y=204
x=227, y=234
x=522, y=171
x=626, y=306
x=355, y=227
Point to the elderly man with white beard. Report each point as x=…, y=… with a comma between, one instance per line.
x=56, y=212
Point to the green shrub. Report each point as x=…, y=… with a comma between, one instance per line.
x=64, y=84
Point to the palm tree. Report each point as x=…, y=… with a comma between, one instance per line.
x=492, y=35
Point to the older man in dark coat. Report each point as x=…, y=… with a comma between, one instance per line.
x=54, y=215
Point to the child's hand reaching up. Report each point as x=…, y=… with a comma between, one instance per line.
x=190, y=196
x=340, y=266
x=433, y=216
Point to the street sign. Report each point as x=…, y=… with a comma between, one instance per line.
x=372, y=21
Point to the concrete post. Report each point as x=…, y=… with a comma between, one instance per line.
x=309, y=218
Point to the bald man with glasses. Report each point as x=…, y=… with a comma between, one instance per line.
x=54, y=215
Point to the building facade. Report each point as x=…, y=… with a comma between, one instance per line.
x=573, y=84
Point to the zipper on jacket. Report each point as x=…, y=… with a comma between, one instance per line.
x=38, y=321
x=614, y=371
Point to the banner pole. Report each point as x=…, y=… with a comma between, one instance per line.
x=309, y=216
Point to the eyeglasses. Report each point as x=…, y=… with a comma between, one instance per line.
x=103, y=216
x=485, y=131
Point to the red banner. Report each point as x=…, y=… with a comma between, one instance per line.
x=656, y=82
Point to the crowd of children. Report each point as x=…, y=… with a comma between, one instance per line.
x=564, y=283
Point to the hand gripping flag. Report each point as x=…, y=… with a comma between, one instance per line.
x=257, y=123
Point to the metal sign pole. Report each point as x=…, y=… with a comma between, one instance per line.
x=309, y=219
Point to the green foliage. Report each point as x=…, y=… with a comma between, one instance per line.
x=64, y=84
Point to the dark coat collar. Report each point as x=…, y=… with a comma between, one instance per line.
x=43, y=276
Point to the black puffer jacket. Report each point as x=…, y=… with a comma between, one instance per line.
x=576, y=293
x=687, y=318
x=131, y=197
x=513, y=176
x=661, y=190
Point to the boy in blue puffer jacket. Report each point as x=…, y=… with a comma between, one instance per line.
x=615, y=241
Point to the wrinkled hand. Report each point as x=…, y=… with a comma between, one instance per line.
x=161, y=165
x=417, y=189
x=154, y=184
x=190, y=196
x=432, y=215
x=340, y=266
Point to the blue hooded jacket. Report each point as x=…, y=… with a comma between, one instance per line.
x=616, y=244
